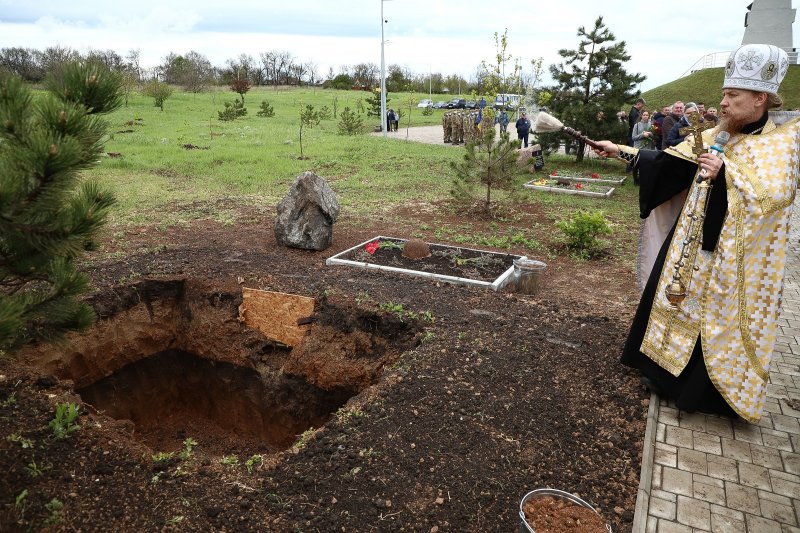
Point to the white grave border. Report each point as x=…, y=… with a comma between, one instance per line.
x=502, y=280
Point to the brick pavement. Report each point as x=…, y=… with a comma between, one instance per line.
x=707, y=473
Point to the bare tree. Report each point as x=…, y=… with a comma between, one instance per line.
x=133, y=62
x=55, y=57
x=25, y=62
x=366, y=74
x=283, y=68
x=312, y=72
x=269, y=65
x=109, y=58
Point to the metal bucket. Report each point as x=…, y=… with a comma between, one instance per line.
x=528, y=275
x=524, y=527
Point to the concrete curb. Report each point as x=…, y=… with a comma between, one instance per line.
x=646, y=475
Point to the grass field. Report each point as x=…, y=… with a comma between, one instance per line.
x=706, y=86
x=252, y=162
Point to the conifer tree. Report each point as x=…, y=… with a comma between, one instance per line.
x=50, y=215
x=489, y=161
x=374, y=103
x=592, y=85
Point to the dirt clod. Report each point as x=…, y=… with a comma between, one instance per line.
x=416, y=249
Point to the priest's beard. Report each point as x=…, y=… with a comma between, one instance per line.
x=731, y=125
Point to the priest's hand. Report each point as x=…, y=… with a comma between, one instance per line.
x=709, y=165
x=606, y=149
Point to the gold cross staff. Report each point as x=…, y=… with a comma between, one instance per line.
x=696, y=128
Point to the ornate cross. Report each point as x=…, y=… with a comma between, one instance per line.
x=696, y=128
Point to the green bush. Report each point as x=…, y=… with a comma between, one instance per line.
x=582, y=230
x=350, y=123
x=266, y=110
x=232, y=111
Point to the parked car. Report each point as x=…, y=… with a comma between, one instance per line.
x=425, y=103
x=441, y=104
x=457, y=103
x=471, y=105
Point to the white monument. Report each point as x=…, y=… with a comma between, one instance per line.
x=770, y=22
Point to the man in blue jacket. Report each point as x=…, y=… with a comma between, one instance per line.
x=523, y=129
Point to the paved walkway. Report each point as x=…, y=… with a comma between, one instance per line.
x=706, y=473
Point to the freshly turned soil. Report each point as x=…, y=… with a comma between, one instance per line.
x=555, y=515
x=501, y=393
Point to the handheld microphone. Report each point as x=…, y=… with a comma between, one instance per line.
x=718, y=149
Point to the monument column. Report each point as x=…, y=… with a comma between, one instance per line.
x=770, y=22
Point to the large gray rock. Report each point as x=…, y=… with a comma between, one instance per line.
x=306, y=215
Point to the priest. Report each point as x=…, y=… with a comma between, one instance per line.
x=706, y=325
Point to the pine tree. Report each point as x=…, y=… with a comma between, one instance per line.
x=49, y=215
x=488, y=161
x=350, y=123
x=374, y=102
x=592, y=85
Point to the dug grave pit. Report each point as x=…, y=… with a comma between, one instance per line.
x=171, y=360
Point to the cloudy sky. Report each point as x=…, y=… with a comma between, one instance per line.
x=664, y=39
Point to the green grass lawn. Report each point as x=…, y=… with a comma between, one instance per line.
x=252, y=162
x=706, y=86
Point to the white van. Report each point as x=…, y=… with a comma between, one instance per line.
x=507, y=101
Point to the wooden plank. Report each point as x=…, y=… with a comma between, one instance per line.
x=279, y=316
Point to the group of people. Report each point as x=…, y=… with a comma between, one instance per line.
x=661, y=129
x=392, y=120
x=714, y=240
x=460, y=126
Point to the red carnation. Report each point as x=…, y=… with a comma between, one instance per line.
x=372, y=247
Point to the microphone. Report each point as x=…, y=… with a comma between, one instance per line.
x=718, y=149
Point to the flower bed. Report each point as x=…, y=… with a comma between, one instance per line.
x=463, y=266
x=592, y=177
x=563, y=185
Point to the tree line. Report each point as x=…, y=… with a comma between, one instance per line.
x=194, y=71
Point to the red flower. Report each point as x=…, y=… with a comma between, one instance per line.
x=595, y=175
x=372, y=247
x=579, y=186
x=553, y=173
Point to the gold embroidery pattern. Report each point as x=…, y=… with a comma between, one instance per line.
x=739, y=286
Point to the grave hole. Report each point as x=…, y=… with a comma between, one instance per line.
x=173, y=395
x=171, y=360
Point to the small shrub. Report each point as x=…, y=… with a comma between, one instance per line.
x=266, y=110
x=325, y=113
x=158, y=91
x=240, y=87
x=230, y=460
x=350, y=123
x=64, y=421
x=255, y=460
x=188, y=445
x=56, y=507
x=232, y=111
x=427, y=111
x=582, y=230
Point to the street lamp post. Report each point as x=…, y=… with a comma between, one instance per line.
x=383, y=76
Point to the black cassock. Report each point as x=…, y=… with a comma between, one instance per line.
x=662, y=176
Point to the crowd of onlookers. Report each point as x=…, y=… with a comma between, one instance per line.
x=662, y=129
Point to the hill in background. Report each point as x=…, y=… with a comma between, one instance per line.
x=705, y=86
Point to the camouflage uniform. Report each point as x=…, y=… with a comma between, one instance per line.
x=447, y=127
x=456, y=133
